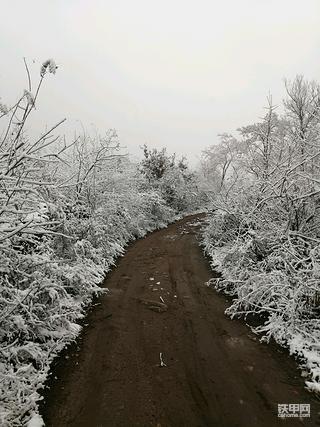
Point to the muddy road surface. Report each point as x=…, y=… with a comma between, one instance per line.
x=159, y=311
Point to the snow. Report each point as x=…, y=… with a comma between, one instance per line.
x=313, y=386
x=35, y=421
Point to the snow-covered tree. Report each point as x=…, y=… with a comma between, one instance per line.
x=264, y=236
x=67, y=210
x=172, y=178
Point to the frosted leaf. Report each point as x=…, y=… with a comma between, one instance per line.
x=74, y=329
x=3, y=109
x=19, y=322
x=48, y=65
x=29, y=97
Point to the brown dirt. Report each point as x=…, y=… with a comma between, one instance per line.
x=217, y=372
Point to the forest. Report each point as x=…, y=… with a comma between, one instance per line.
x=69, y=208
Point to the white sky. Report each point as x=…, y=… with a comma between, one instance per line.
x=166, y=73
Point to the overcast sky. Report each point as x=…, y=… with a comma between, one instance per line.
x=166, y=73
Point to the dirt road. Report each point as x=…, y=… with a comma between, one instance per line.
x=217, y=372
